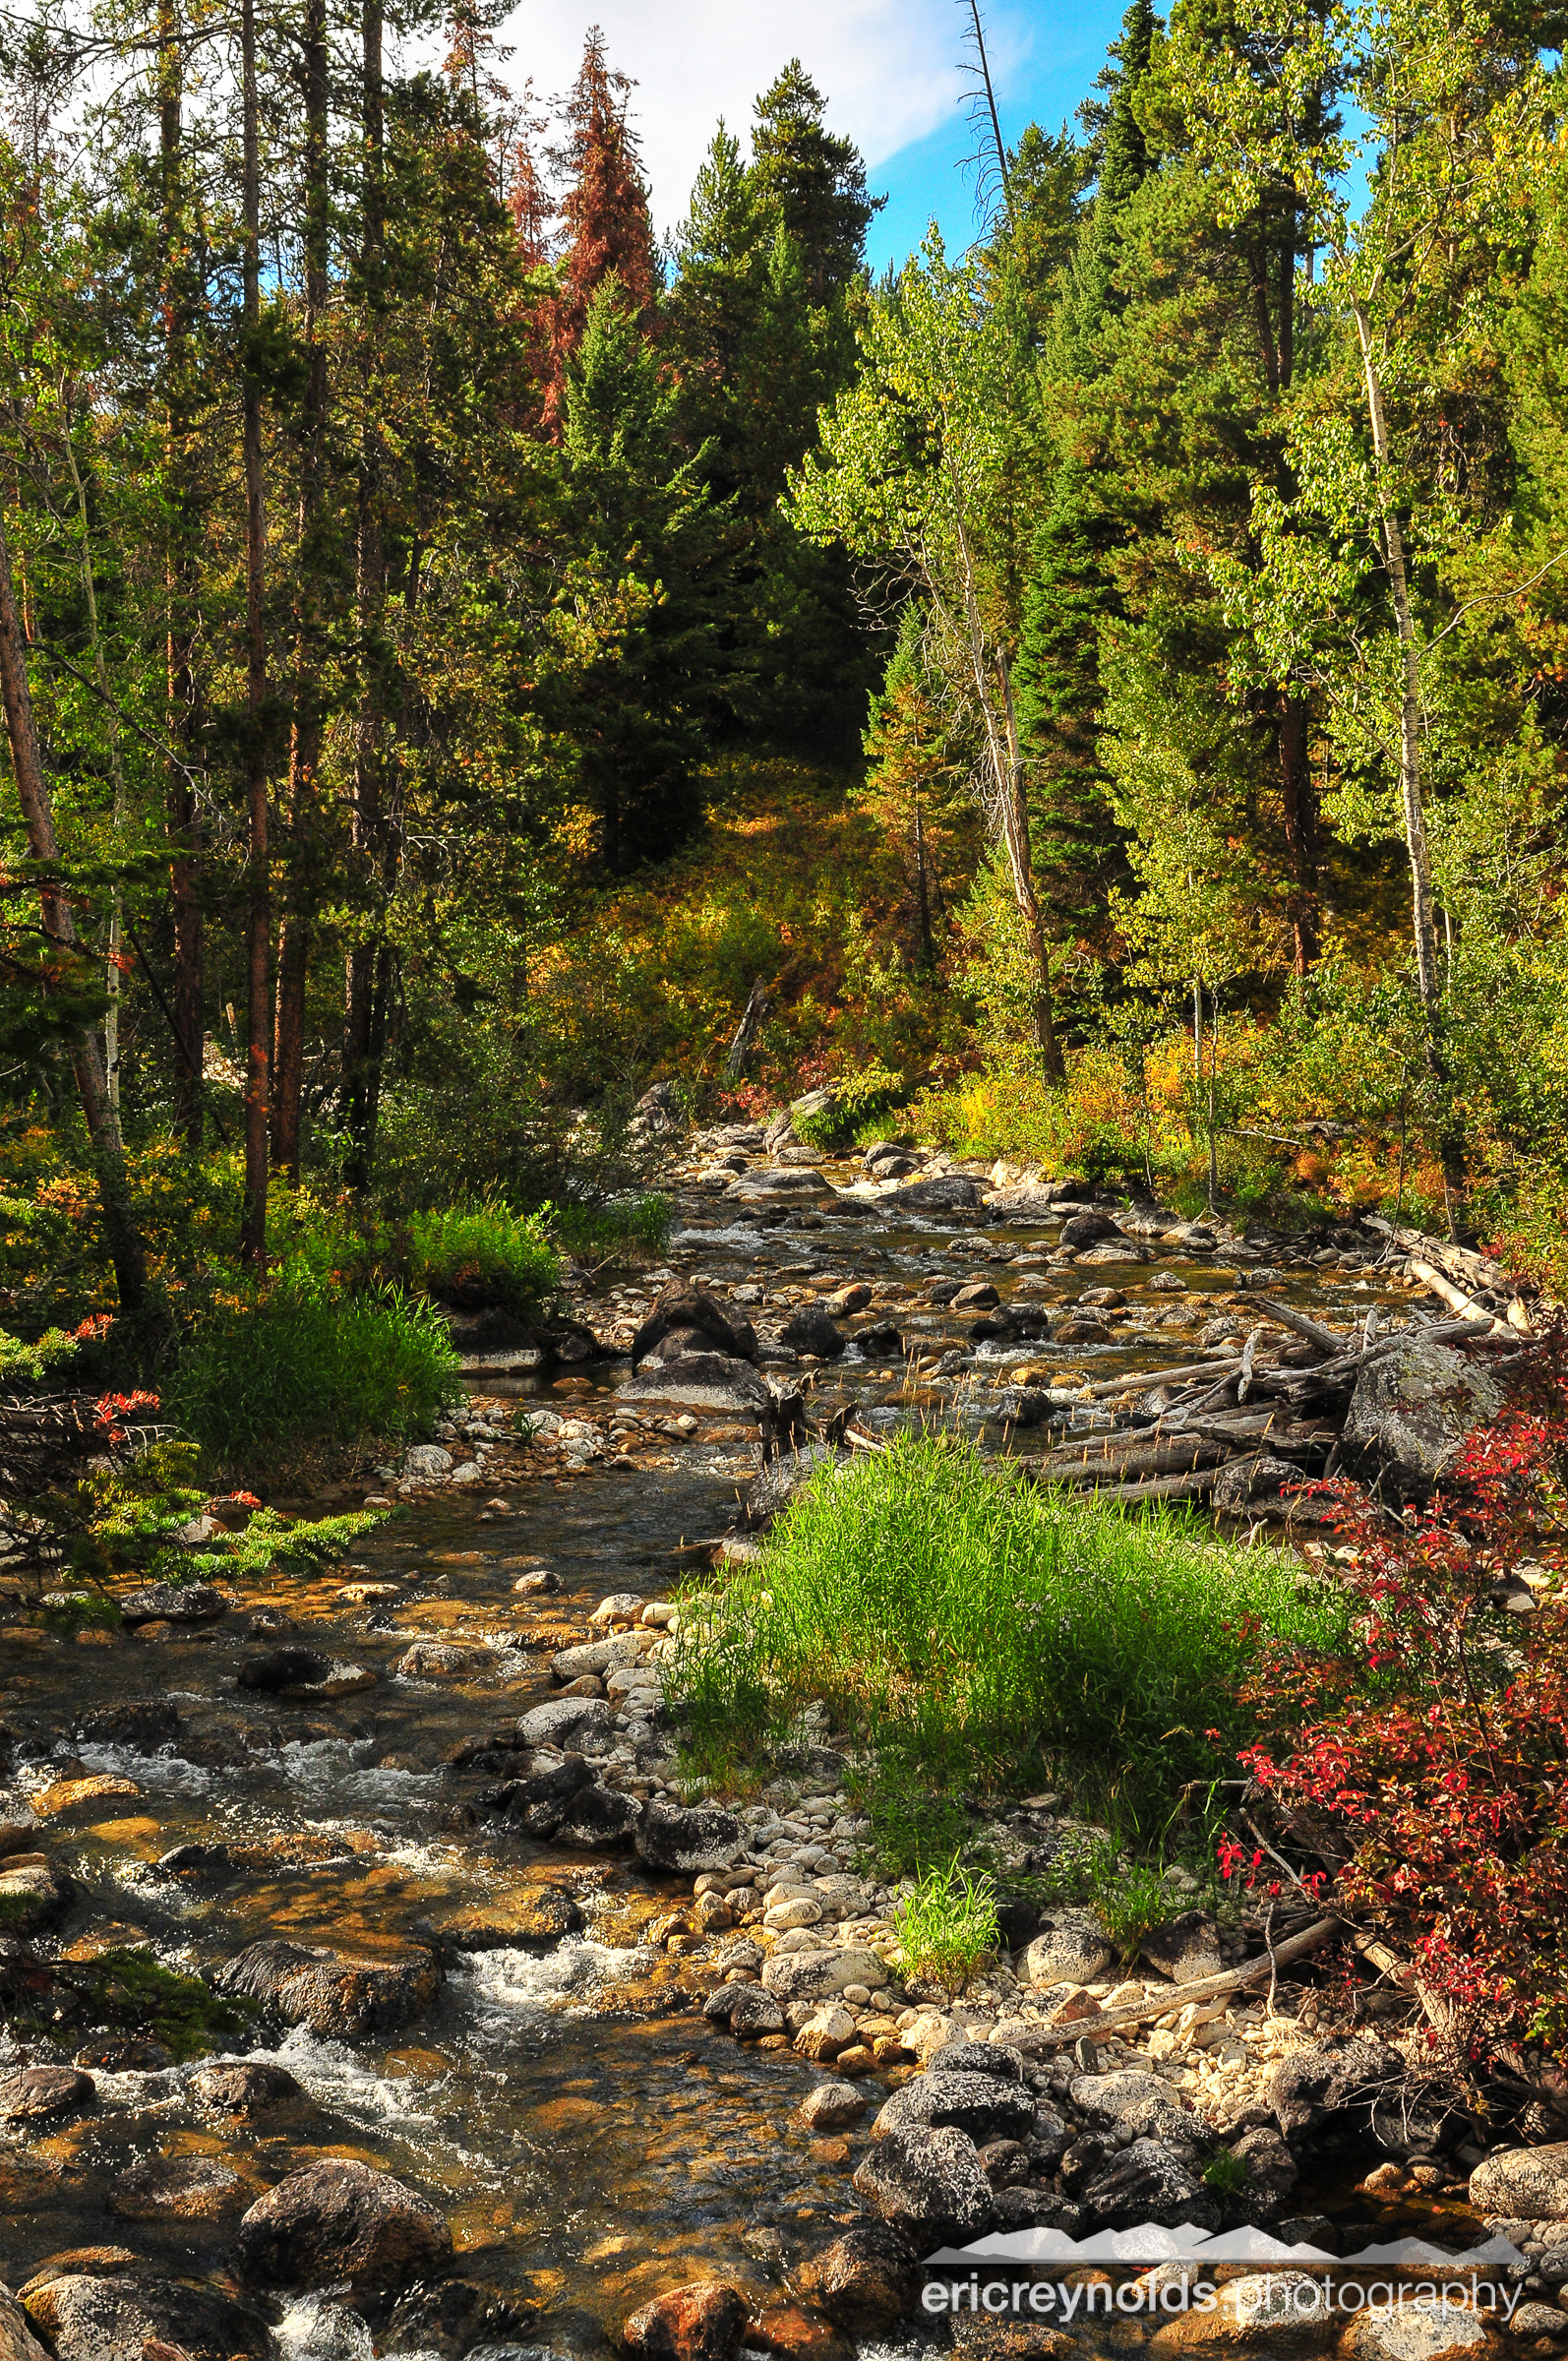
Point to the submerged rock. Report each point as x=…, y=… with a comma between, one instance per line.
x=88, y=2318
x=864, y=2282
x=706, y=2322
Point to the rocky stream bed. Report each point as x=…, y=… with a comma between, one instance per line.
x=514, y=2044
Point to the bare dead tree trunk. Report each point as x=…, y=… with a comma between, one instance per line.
x=364, y=981
x=294, y=934
x=1299, y=802
x=120, y=1231
x=189, y=998
x=258, y=946
x=758, y=1009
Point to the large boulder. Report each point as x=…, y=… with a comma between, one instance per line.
x=17, y=2340
x=931, y=2184
x=687, y=1841
x=1184, y=1949
x=1308, y=2085
x=702, y=1381
x=122, y=2318
x=943, y=1192
x=748, y=2011
x=141, y=1724
x=1418, y=2329
x=1070, y=1948
x=539, y=1801
x=811, y=1330
x=174, y=1602
x=1087, y=1229
x=597, y=1819
x=685, y=1305
x=985, y=2105
x=821, y=1974
x=1127, y=2101
x=864, y=2282
x=1531, y=2184
x=43, y=2093
x=338, y=2220
x=332, y=1991
x=584, y=1722
x=1411, y=1414
x=706, y=2322
x=1149, y=2181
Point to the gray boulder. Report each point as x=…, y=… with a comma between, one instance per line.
x=995, y=2058
x=821, y=1974
x=687, y=1841
x=1528, y=2183
x=174, y=1602
x=943, y=1192
x=597, y=1819
x=1260, y=1478
x=1150, y=2181
x=748, y=2010
x=702, y=1381
x=119, y=2318
x=1271, y=2172
x=929, y=2184
x=330, y=1991
x=586, y=1723
x=1142, y=2104
x=1411, y=1414
x=1308, y=2085
x=1185, y=1948
x=811, y=1330
x=984, y=2105
x=1070, y=1949
x=1087, y=1229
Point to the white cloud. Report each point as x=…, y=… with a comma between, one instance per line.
x=889, y=68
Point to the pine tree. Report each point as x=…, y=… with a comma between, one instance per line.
x=813, y=181
x=604, y=211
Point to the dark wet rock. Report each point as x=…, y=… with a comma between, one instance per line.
x=598, y=1818
x=706, y=2322
x=866, y=2279
x=794, y=2333
x=811, y=1330
x=539, y=1801
x=1012, y=1325
x=1185, y=1947
x=1127, y=2101
x=928, y=2184
x=449, y=2319
x=1271, y=2173
x=142, y=1724
x=198, y=1862
x=541, y=1582
x=1308, y=2085
x=683, y=1306
x=539, y=1915
x=1150, y=2181
x=174, y=1602
x=124, y=2053
x=192, y=2188
x=1411, y=1414
x=340, y=2219
x=17, y=2340
x=568, y=1722
x=976, y=1296
x=943, y=1192
x=126, y=2315
x=1005, y=2163
x=333, y=1992
x=280, y=1669
x=776, y=1487
x=42, y=2093
x=251, y=2088
x=1083, y=1328
x=985, y=2105
x=879, y=1340
x=1088, y=1228
x=678, y=1342
x=746, y=2009
x=671, y=1835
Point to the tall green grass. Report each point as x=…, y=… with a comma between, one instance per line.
x=976, y=1630
x=623, y=1227
x=484, y=1252
x=268, y=1382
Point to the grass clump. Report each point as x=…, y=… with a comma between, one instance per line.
x=484, y=1253
x=627, y=1229
x=987, y=1632
x=132, y=1992
x=947, y=1927
x=298, y=1373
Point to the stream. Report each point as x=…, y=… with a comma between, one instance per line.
x=588, y=2137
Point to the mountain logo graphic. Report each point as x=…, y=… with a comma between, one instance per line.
x=1150, y=2244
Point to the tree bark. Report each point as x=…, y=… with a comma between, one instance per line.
x=120, y=1231
x=1300, y=800
x=258, y=946
x=363, y=991
x=294, y=935
x=1000, y=718
x=188, y=997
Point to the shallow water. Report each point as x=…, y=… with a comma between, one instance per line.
x=589, y=2137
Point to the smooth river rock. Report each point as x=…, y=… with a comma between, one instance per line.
x=340, y=2219
x=330, y=1991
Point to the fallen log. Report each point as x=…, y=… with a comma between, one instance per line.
x=1203, y=1988
x=1159, y=1459
x=1457, y=1300
x=1329, y=1340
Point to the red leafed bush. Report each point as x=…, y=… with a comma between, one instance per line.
x=1427, y=1762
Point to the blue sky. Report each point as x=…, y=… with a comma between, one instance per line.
x=892, y=71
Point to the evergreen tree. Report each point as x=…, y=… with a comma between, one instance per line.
x=814, y=182
x=605, y=215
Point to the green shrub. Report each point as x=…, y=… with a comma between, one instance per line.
x=861, y=1103
x=273, y=1379
x=1226, y=2172
x=484, y=1253
x=126, y=1988
x=988, y=1631
x=947, y=1925
x=625, y=1228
